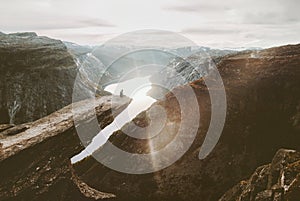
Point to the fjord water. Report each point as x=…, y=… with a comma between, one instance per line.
x=136, y=89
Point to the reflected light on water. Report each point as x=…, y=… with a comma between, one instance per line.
x=137, y=90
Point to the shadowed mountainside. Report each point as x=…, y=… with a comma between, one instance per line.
x=33, y=69
x=38, y=76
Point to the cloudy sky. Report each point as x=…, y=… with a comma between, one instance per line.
x=215, y=23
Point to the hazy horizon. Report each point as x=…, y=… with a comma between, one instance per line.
x=217, y=24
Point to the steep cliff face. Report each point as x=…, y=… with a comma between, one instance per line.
x=37, y=76
x=277, y=181
x=263, y=101
x=92, y=71
x=181, y=70
x=35, y=157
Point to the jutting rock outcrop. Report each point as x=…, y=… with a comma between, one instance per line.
x=35, y=157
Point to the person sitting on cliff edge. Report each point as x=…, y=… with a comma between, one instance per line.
x=122, y=93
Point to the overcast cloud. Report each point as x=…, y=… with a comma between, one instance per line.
x=227, y=23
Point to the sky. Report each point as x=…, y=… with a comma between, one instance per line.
x=213, y=23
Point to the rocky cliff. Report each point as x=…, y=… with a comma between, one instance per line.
x=263, y=97
x=277, y=181
x=37, y=76
x=35, y=157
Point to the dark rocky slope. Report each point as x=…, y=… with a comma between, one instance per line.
x=35, y=157
x=37, y=76
x=263, y=98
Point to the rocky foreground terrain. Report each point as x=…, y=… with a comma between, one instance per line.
x=279, y=180
x=35, y=157
x=263, y=116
